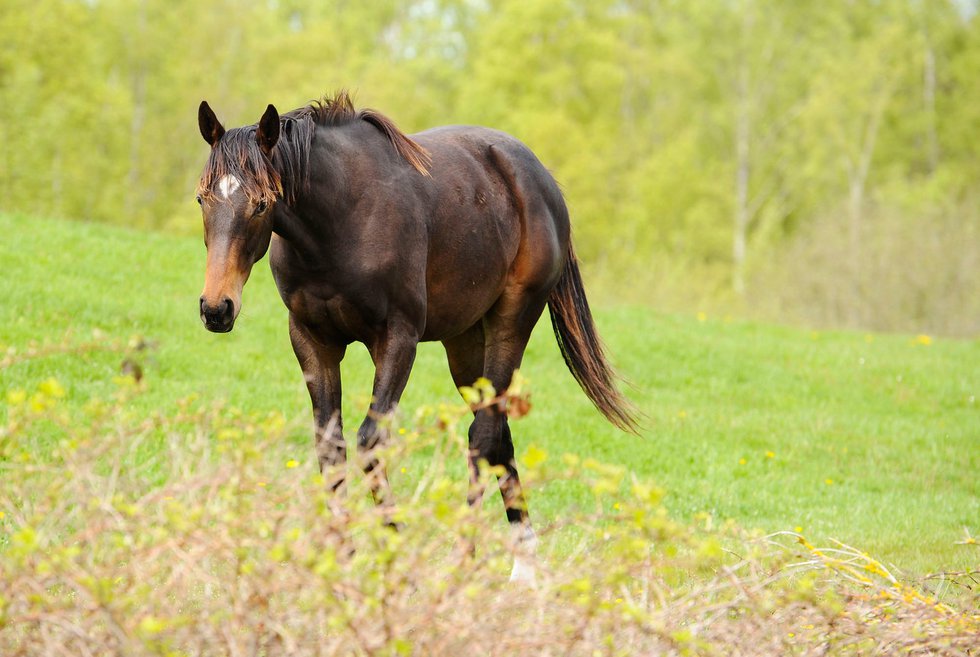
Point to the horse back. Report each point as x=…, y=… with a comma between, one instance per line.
x=498, y=221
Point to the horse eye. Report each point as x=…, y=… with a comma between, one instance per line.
x=262, y=206
x=199, y=200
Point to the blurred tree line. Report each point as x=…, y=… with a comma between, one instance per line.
x=811, y=161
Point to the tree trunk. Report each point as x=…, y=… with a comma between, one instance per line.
x=741, y=218
x=138, y=89
x=929, y=99
x=858, y=173
x=743, y=136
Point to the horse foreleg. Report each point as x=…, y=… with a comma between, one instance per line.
x=393, y=358
x=321, y=369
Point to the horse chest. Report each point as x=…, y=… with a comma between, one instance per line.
x=324, y=305
x=333, y=317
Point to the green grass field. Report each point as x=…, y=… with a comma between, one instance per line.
x=870, y=439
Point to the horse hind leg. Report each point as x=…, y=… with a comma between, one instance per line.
x=465, y=354
x=491, y=439
x=489, y=434
x=503, y=334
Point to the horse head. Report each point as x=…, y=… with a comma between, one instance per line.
x=237, y=192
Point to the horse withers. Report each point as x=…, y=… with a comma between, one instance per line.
x=457, y=234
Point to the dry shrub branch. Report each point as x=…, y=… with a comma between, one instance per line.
x=197, y=534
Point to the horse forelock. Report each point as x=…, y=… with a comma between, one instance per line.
x=237, y=156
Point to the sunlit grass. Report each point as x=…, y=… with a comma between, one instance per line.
x=744, y=421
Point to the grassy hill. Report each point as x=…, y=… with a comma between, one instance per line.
x=870, y=439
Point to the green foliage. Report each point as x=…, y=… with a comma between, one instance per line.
x=698, y=142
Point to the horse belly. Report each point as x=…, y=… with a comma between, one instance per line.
x=470, y=256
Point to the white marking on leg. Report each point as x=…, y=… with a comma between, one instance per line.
x=228, y=184
x=525, y=550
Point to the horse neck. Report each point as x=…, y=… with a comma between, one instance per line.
x=343, y=159
x=310, y=219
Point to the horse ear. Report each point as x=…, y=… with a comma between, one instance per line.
x=268, y=132
x=211, y=128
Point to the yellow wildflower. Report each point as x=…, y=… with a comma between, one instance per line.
x=51, y=388
x=534, y=456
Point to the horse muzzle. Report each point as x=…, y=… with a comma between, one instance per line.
x=218, y=318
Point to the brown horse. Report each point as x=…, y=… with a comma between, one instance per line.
x=456, y=234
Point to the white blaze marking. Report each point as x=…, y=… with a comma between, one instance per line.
x=228, y=184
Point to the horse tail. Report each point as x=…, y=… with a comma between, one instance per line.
x=582, y=350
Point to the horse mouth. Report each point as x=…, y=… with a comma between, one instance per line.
x=217, y=325
x=219, y=328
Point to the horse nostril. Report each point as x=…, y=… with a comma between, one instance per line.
x=218, y=317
